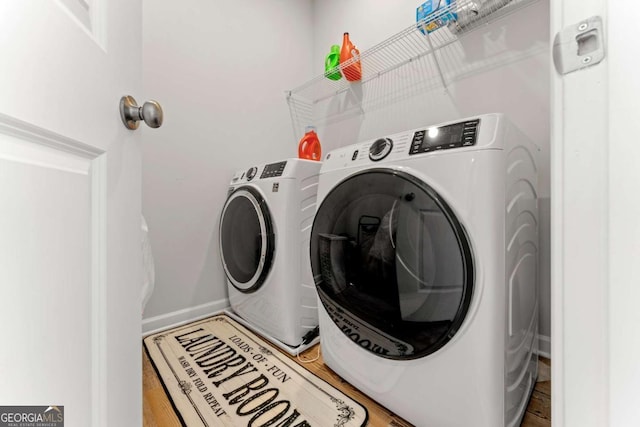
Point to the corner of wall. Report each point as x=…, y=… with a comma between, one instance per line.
x=180, y=317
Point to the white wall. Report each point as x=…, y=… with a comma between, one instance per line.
x=220, y=70
x=506, y=69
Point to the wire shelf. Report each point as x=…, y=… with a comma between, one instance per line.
x=410, y=61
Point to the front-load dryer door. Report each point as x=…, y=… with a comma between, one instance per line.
x=392, y=264
x=247, y=241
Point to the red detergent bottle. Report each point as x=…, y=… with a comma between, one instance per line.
x=350, y=57
x=309, y=147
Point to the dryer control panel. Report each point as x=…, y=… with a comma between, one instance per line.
x=463, y=134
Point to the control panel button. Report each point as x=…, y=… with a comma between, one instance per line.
x=380, y=149
x=355, y=155
x=251, y=173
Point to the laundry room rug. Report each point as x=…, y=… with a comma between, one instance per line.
x=218, y=373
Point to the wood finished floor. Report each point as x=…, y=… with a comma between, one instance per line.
x=158, y=411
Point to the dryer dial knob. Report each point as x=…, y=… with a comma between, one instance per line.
x=380, y=149
x=251, y=173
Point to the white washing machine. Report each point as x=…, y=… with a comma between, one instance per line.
x=264, y=245
x=424, y=251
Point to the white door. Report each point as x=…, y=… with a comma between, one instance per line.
x=70, y=209
x=595, y=225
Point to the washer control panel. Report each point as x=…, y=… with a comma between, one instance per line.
x=463, y=134
x=273, y=170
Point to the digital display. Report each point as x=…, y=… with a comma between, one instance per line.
x=273, y=170
x=445, y=135
x=440, y=138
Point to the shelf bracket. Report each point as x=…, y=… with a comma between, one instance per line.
x=435, y=59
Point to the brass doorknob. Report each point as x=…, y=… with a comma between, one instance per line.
x=131, y=114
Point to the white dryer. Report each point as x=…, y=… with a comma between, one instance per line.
x=264, y=244
x=424, y=250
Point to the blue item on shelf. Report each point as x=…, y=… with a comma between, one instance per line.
x=441, y=14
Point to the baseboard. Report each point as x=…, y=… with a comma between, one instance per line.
x=544, y=346
x=180, y=317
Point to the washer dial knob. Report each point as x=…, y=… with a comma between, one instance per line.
x=251, y=173
x=380, y=149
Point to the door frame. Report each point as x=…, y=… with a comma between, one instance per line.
x=595, y=235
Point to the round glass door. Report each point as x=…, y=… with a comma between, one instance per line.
x=246, y=239
x=392, y=264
